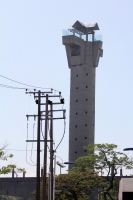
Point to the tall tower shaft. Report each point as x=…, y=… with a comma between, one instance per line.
x=83, y=53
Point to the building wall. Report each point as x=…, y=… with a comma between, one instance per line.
x=19, y=187
x=22, y=187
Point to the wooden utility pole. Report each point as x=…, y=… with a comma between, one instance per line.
x=45, y=150
x=51, y=150
x=46, y=116
x=38, y=151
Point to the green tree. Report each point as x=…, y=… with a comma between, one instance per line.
x=104, y=157
x=75, y=186
x=78, y=185
x=86, y=175
x=8, y=168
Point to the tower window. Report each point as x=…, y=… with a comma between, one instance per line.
x=86, y=112
x=86, y=74
x=75, y=138
x=86, y=99
x=75, y=151
x=86, y=86
x=76, y=100
x=77, y=75
x=75, y=50
x=85, y=124
x=76, y=87
x=76, y=126
x=76, y=113
x=85, y=150
x=85, y=137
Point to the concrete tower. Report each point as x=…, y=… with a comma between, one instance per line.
x=83, y=51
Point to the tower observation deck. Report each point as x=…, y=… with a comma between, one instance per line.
x=83, y=49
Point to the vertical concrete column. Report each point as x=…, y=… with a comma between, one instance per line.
x=121, y=172
x=12, y=173
x=83, y=57
x=23, y=175
x=41, y=172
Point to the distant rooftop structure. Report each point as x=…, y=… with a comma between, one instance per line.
x=84, y=31
x=85, y=28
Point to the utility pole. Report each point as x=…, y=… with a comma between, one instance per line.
x=38, y=101
x=45, y=150
x=51, y=194
x=46, y=116
x=54, y=177
x=51, y=149
x=38, y=151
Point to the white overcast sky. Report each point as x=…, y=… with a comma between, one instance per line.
x=31, y=52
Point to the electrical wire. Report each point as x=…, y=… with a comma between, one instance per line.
x=29, y=103
x=42, y=130
x=32, y=144
x=48, y=130
x=18, y=150
x=62, y=136
x=22, y=83
x=27, y=147
x=26, y=84
x=11, y=87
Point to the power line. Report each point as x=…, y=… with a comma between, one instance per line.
x=25, y=84
x=22, y=83
x=11, y=87
x=19, y=150
x=62, y=135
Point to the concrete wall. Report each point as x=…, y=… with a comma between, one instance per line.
x=82, y=93
x=19, y=187
x=22, y=187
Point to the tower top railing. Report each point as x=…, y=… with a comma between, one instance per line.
x=97, y=37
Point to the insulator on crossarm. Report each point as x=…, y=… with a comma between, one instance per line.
x=64, y=114
x=49, y=102
x=34, y=117
x=27, y=117
x=62, y=101
x=36, y=101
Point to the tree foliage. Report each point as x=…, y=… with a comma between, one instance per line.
x=104, y=157
x=8, y=168
x=86, y=175
x=78, y=185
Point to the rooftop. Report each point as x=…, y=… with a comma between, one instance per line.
x=85, y=28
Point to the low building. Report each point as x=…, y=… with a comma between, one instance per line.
x=126, y=189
